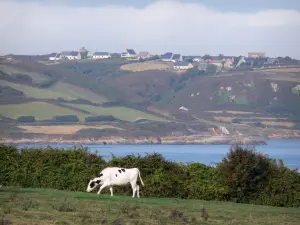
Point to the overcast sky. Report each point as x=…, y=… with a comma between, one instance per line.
x=190, y=27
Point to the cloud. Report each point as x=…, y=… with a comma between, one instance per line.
x=188, y=28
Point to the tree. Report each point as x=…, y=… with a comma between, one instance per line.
x=211, y=69
x=205, y=57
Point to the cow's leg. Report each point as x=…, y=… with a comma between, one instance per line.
x=103, y=186
x=133, y=185
x=138, y=191
x=111, y=191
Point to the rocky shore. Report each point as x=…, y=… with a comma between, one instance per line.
x=170, y=140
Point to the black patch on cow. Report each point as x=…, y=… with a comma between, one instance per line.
x=98, y=181
x=100, y=175
x=92, y=184
x=120, y=171
x=123, y=170
x=116, y=175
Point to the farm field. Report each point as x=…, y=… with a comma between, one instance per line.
x=77, y=92
x=121, y=113
x=40, y=110
x=33, y=92
x=36, y=77
x=48, y=206
x=62, y=129
x=143, y=66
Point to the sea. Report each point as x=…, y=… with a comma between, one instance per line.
x=287, y=150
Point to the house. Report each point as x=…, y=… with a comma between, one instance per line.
x=198, y=59
x=177, y=58
x=70, y=55
x=130, y=53
x=144, y=55
x=101, y=55
x=54, y=56
x=167, y=57
x=256, y=54
x=182, y=66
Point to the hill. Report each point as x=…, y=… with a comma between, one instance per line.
x=46, y=206
x=249, y=101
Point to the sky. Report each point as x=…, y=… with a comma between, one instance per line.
x=189, y=27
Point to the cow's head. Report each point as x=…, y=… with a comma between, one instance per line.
x=93, y=184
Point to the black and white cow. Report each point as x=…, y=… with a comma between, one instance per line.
x=112, y=176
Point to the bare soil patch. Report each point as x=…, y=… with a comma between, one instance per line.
x=143, y=66
x=60, y=129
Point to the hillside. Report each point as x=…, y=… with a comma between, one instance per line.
x=122, y=92
x=46, y=206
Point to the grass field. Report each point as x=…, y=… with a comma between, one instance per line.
x=77, y=92
x=40, y=110
x=33, y=92
x=122, y=113
x=63, y=129
x=53, y=207
x=36, y=77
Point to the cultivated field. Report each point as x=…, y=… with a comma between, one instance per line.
x=63, y=129
x=40, y=110
x=33, y=92
x=143, y=66
x=53, y=207
x=36, y=77
x=77, y=92
x=122, y=113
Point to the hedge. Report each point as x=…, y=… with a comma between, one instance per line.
x=243, y=176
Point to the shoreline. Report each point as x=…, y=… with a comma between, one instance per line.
x=167, y=140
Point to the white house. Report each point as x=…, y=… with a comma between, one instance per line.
x=177, y=58
x=144, y=55
x=167, y=57
x=101, y=55
x=70, y=55
x=130, y=53
x=54, y=57
x=182, y=66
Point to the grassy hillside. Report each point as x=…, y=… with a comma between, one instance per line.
x=48, y=206
x=13, y=69
x=40, y=110
x=121, y=113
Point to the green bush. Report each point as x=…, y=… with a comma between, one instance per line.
x=99, y=118
x=66, y=118
x=254, y=178
x=26, y=119
x=243, y=176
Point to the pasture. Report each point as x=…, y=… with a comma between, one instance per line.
x=77, y=92
x=25, y=206
x=122, y=113
x=33, y=92
x=36, y=77
x=40, y=110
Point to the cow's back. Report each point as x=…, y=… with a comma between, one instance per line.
x=122, y=176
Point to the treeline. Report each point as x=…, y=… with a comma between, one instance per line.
x=243, y=176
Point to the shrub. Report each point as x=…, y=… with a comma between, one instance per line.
x=26, y=119
x=99, y=118
x=66, y=118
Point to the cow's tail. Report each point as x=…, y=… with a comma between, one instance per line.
x=140, y=177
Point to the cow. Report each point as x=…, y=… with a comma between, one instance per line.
x=113, y=176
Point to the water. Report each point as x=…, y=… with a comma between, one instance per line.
x=287, y=150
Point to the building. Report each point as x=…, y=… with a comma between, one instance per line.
x=53, y=57
x=198, y=59
x=70, y=55
x=144, y=55
x=256, y=54
x=182, y=66
x=177, y=58
x=130, y=53
x=101, y=55
x=167, y=57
